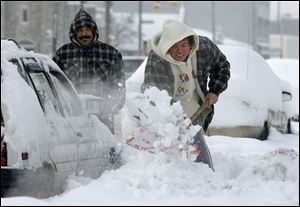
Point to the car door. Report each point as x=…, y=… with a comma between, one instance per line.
x=63, y=151
x=94, y=140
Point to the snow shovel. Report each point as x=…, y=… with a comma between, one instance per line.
x=200, y=115
x=202, y=150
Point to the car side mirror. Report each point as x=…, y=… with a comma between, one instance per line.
x=286, y=96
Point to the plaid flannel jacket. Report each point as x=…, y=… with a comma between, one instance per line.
x=96, y=70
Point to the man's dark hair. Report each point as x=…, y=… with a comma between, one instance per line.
x=83, y=19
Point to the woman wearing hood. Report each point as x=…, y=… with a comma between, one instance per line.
x=181, y=63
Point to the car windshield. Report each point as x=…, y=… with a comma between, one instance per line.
x=130, y=65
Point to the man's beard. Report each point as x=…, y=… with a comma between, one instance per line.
x=85, y=37
x=85, y=40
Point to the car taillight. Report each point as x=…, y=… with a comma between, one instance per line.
x=24, y=156
x=3, y=148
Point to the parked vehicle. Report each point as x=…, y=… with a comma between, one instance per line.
x=288, y=70
x=46, y=134
x=131, y=63
x=255, y=99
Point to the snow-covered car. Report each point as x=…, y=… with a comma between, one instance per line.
x=131, y=63
x=288, y=70
x=254, y=100
x=46, y=134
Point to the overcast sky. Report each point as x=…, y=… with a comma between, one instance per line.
x=287, y=7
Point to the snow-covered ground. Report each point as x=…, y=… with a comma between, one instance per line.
x=247, y=172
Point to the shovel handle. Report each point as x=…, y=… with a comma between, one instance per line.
x=204, y=105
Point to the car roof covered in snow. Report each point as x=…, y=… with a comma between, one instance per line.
x=11, y=49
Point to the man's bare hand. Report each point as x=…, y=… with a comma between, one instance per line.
x=211, y=98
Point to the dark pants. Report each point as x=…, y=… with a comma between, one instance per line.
x=204, y=155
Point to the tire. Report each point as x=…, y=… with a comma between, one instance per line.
x=289, y=127
x=265, y=131
x=26, y=182
x=10, y=179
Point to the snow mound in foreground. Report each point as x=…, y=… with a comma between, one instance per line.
x=159, y=177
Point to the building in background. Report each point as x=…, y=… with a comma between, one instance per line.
x=284, y=38
x=41, y=26
x=44, y=26
x=27, y=22
x=243, y=21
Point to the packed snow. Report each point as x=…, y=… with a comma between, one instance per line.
x=247, y=171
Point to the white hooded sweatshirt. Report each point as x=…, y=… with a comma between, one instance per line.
x=186, y=87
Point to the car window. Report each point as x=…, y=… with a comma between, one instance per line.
x=44, y=92
x=20, y=70
x=131, y=65
x=67, y=96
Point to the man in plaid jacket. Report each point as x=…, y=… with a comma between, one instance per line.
x=181, y=63
x=93, y=67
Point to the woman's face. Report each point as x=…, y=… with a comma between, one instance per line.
x=181, y=50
